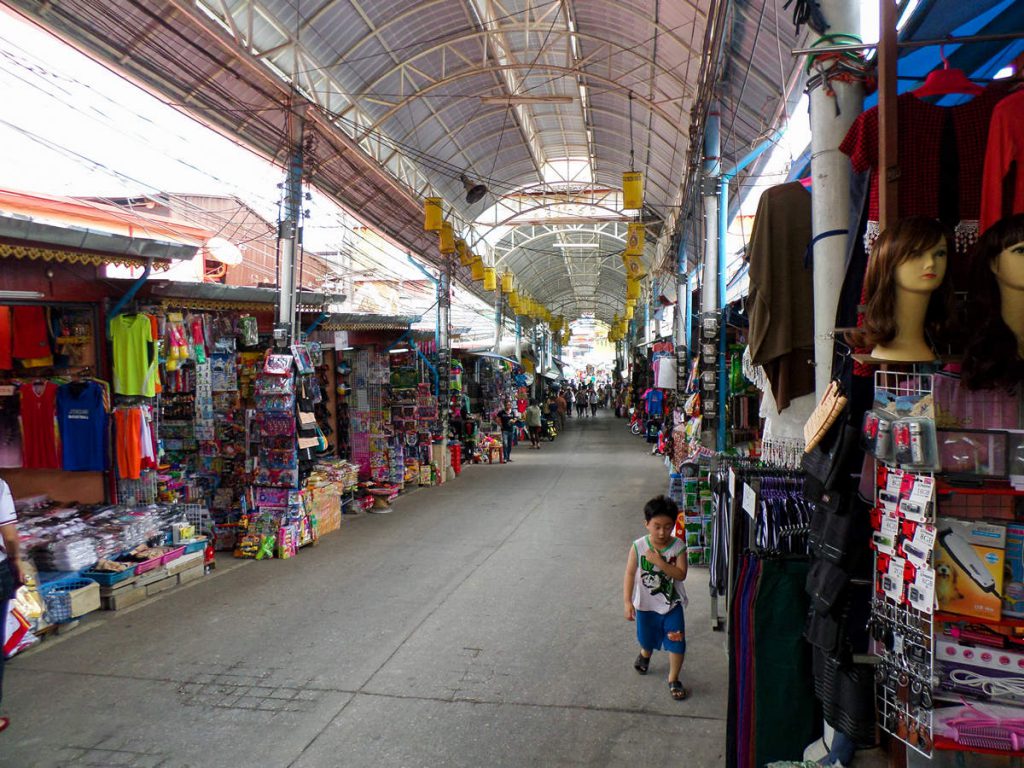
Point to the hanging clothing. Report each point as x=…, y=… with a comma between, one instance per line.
x=6, y=340
x=941, y=156
x=39, y=425
x=128, y=432
x=31, y=336
x=134, y=358
x=1004, y=151
x=10, y=432
x=781, y=299
x=82, y=418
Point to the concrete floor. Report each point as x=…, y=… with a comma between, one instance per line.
x=479, y=624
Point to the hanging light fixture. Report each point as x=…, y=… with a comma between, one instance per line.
x=474, y=189
x=432, y=214
x=447, y=238
x=490, y=279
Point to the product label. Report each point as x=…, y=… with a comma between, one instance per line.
x=892, y=582
x=749, y=501
x=894, y=482
x=921, y=594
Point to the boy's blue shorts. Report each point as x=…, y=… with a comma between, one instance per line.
x=652, y=630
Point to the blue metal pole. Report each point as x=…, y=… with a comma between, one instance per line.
x=723, y=226
x=434, y=280
x=129, y=294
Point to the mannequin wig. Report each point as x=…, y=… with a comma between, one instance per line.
x=901, y=242
x=992, y=358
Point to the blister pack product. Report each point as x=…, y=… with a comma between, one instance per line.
x=277, y=365
x=915, y=444
x=876, y=435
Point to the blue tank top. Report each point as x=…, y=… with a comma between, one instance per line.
x=83, y=426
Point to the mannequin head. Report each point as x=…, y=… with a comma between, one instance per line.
x=993, y=356
x=909, y=259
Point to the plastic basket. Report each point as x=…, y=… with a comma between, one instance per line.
x=108, y=579
x=174, y=554
x=58, y=598
x=195, y=546
x=148, y=565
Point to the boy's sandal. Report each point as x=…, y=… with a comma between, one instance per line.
x=4, y=722
x=676, y=689
x=642, y=663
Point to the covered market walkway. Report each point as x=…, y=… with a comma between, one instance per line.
x=479, y=624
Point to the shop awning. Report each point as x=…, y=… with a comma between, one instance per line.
x=50, y=226
x=217, y=295
x=352, y=321
x=496, y=356
x=550, y=375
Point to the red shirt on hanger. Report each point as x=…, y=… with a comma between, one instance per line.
x=1005, y=147
x=39, y=425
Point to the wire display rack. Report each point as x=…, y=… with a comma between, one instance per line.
x=904, y=636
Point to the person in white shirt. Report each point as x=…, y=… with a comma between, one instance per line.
x=10, y=571
x=533, y=424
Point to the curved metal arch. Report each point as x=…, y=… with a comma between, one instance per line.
x=490, y=68
x=505, y=29
x=553, y=233
x=486, y=228
x=606, y=151
x=418, y=8
x=559, y=270
x=477, y=118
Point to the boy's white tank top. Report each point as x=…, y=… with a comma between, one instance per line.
x=652, y=589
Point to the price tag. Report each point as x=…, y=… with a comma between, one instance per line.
x=892, y=583
x=921, y=594
x=749, y=501
x=894, y=483
x=924, y=490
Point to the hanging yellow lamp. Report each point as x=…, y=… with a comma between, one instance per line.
x=634, y=266
x=629, y=311
x=447, y=238
x=490, y=278
x=506, y=282
x=462, y=249
x=513, y=300
x=632, y=288
x=433, y=215
x=633, y=190
x=477, y=268
x=635, y=239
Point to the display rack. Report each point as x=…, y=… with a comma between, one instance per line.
x=903, y=635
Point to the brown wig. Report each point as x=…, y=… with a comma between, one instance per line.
x=992, y=358
x=902, y=242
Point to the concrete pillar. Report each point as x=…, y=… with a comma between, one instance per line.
x=830, y=193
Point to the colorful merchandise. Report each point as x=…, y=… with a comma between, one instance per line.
x=82, y=418
x=31, y=335
x=39, y=425
x=134, y=355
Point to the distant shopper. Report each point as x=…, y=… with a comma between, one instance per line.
x=570, y=400
x=654, y=594
x=533, y=417
x=10, y=571
x=582, y=403
x=594, y=400
x=563, y=406
x=507, y=419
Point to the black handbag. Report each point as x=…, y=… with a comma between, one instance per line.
x=828, y=461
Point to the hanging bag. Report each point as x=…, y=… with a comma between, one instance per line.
x=825, y=414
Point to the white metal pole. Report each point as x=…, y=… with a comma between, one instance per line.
x=712, y=169
x=830, y=192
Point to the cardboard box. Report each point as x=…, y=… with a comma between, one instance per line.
x=964, y=547
x=85, y=600
x=1013, y=581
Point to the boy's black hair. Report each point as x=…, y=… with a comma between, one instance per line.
x=660, y=506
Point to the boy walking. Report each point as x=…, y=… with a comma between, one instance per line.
x=654, y=594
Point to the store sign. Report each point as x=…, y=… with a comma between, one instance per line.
x=341, y=340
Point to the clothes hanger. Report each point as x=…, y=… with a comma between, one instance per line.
x=947, y=81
